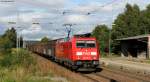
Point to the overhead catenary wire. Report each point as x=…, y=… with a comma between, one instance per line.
x=64, y=12
x=90, y=12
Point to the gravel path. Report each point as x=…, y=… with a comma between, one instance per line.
x=140, y=70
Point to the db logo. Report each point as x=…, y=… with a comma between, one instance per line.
x=86, y=53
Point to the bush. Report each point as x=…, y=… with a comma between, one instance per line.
x=19, y=57
x=7, y=61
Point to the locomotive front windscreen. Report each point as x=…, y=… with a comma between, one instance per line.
x=85, y=44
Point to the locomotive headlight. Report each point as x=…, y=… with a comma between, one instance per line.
x=79, y=53
x=93, y=53
x=95, y=62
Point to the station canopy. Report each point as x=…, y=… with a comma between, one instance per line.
x=136, y=46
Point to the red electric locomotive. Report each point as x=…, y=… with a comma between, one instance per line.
x=78, y=53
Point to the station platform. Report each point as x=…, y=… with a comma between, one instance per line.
x=133, y=66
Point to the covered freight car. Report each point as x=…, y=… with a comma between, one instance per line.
x=45, y=49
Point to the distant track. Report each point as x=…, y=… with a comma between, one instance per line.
x=108, y=75
x=128, y=75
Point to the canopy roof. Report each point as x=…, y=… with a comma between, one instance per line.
x=135, y=37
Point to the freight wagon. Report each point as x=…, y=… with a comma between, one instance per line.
x=44, y=49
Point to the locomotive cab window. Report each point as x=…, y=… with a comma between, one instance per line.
x=80, y=44
x=91, y=44
x=85, y=44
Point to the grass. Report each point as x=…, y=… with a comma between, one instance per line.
x=106, y=55
x=22, y=75
x=21, y=67
x=147, y=61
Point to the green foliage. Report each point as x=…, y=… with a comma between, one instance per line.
x=44, y=40
x=8, y=40
x=145, y=20
x=21, y=66
x=22, y=57
x=127, y=23
x=10, y=34
x=101, y=32
x=131, y=22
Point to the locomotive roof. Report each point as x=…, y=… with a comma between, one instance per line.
x=83, y=35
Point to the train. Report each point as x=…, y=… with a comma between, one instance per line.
x=77, y=53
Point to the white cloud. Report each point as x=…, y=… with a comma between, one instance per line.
x=45, y=4
x=51, y=11
x=76, y=18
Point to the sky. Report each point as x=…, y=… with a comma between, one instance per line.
x=39, y=18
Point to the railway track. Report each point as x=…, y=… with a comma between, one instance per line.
x=106, y=75
x=96, y=78
x=126, y=76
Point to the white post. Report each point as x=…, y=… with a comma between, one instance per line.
x=18, y=29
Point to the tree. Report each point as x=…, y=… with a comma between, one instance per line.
x=11, y=35
x=44, y=39
x=8, y=39
x=101, y=32
x=145, y=20
x=127, y=24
